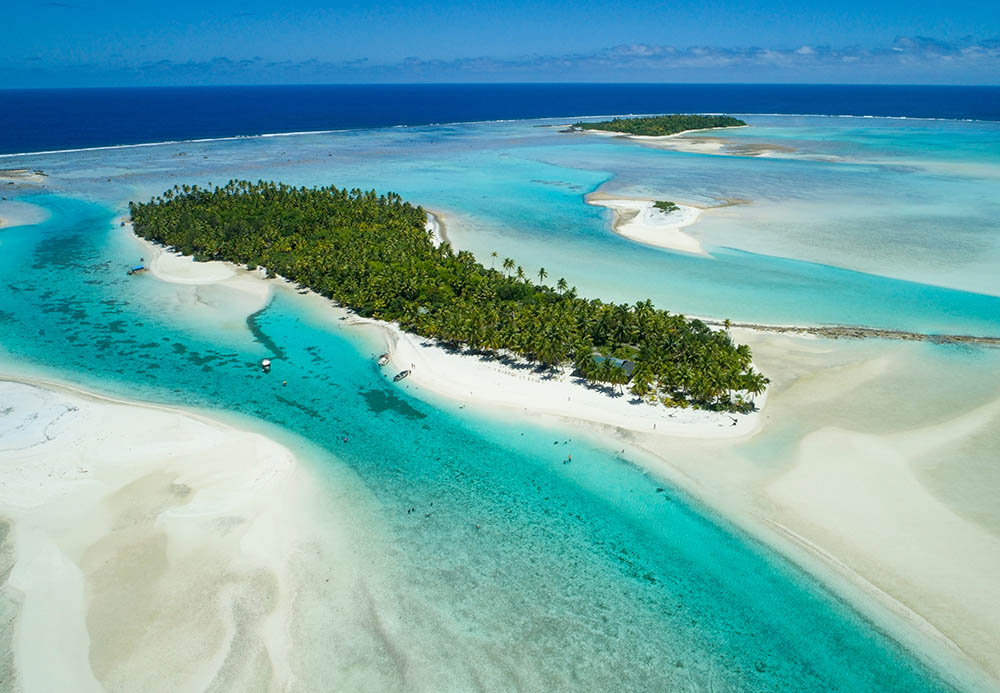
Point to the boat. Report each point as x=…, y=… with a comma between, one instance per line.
x=383, y=359
x=399, y=376
x=266, y=365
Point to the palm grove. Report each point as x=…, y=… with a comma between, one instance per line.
x=657, y=126
x=373, y=254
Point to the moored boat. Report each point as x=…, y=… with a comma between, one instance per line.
x=383, y=359
x=399, y=376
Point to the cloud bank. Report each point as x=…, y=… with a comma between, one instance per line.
x=911, y=60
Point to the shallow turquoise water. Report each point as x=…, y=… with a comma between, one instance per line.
x=581, y=575
x=878, y=237
x=587, y=575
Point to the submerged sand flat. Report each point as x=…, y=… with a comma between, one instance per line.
x=17, y=176
x=17, y=213
x=150, y=549
x=836, y=478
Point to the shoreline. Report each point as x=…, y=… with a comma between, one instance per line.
x=437, y=228
x=615, y=133
x=460, y=378
x=489, y=381
x=484, y=381
x=708, y=142
x=638, y=220
x=176, y=268
x=676, y=142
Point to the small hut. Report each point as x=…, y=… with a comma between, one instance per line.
x=625, y=365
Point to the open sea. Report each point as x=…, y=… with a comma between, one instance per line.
x=45, y=119
x=590, y=576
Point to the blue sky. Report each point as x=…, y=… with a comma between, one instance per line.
x=93, y=43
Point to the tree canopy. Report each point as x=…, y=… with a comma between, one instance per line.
x=373, y=253
x=666, y=206
x=662, y=124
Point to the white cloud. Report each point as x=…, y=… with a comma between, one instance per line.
x=907, y=59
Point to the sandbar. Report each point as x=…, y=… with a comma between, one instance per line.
x=149, y=546
x=639, y=220
x=17, y=176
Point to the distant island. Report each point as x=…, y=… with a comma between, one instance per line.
x=658, y=126
x=373, y=254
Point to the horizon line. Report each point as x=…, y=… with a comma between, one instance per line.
x=512, y=83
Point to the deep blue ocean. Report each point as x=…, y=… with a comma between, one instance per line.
x=52, y=119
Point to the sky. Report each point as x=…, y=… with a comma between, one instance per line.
x=110, y=42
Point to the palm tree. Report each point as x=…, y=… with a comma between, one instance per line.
x=520, y=272
x=493, y=258
x=542, y=274
x=508, y=264
x=562, y=285
x=642, y=381
x=618, y=377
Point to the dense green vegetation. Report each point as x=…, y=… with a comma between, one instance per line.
x=662, y=125
x=666, y=206
x=373, y=254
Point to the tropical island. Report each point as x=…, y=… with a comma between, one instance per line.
x=373, y=254
x=662, y=125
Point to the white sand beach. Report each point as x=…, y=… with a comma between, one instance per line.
x=180, y=269
x=488, y=383
x=436, y=228
x=149, y=547
x=639, y=220
x=691, y=141
x=715, y=142
x=472, y=379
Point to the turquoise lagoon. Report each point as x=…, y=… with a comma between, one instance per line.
x=504, y=566
x=860, y=241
